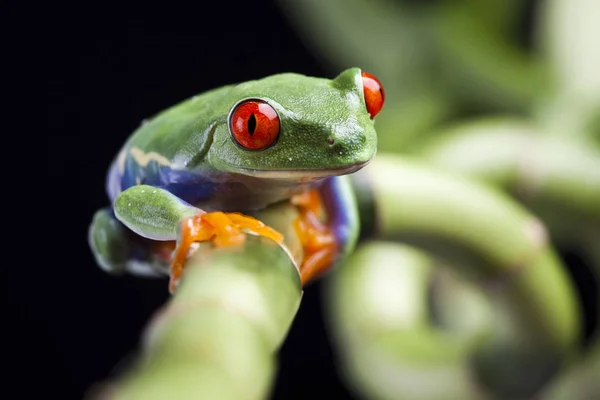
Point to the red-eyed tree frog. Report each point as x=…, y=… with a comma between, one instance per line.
x=193, y=171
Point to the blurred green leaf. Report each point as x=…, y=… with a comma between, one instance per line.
x=569, y=33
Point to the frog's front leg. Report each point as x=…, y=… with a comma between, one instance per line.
x=117, y=250
x=157, y=214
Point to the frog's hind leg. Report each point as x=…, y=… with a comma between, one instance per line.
x=327, y=226
x=118, y=250
x=316, y=236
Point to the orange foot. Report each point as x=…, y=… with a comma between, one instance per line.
x=225, y=229
x=320, y=246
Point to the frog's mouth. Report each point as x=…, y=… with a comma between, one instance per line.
x=303, y=175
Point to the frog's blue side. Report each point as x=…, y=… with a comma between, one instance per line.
x=191, y=187
x=209, y=190
x=342, y=212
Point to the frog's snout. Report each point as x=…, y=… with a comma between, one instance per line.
x=350, y=138
x=350, y=147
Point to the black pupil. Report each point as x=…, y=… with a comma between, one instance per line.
x=251, y=124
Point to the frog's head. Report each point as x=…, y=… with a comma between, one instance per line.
x=291, y=126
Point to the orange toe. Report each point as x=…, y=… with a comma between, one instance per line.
x=225, y=229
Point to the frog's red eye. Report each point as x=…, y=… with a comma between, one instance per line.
x=374, y=94
x=254, y=124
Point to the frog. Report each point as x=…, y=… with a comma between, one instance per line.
x=221, y=155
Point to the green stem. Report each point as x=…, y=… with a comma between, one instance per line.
x=378, y=310
x=557, y=178
x=218, y=335
x=499, y=245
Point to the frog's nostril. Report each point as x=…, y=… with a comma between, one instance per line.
x=331, y=141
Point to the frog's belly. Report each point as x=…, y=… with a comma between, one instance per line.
x=241, y=195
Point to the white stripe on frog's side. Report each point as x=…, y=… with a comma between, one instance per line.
x=142, y=158
x=117, y=170
x=121, y=157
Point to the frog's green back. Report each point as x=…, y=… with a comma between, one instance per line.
x=324, y=128
x=180, y=132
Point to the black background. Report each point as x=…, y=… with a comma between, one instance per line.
x=109, y=65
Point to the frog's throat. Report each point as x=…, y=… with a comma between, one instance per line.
x=295, y=174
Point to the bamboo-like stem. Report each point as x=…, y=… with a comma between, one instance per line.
x=378, y=309
x=582, y=382
x=544, y=171
x=555, y=177
x=499, y=245
x=218, y=335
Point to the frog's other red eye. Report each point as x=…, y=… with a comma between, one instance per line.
x=374, y=94
x=254, y=124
